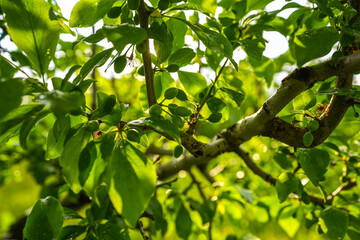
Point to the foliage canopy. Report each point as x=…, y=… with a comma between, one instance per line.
x=154, y=127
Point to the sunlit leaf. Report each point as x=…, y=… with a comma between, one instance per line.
x=314, y=43
x=129, y=169
x=87, y=12
x=32, y=30
x=286, y=184
x=45, y=220
x=314, y=162
x=10, y=93
x=334, y=222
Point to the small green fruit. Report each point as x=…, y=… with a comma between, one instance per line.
x=170, y=93
x=308, y=139
x=214, y=117
x=141, y=70
x=178, y=121
x=120, y=64
x=181, y=95
x=141, y=47
x=182, y=111
x=155, y=110
x=178, y=151
x=114, y=12
x=172, y=68
x=133, y=136
x=163, y=4
x=313, y=125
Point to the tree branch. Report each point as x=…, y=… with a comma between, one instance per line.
x=261, y=122
x=267, y=177
x=140, y=227
x=149, y=72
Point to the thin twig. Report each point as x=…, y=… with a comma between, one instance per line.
x=268, y=178
x=168, y=183
x=211, y=89
x=17, y=67
x=140, y=227
x=197, y=184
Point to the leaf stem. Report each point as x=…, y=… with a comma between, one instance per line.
x=17, y=67
x=211, y=89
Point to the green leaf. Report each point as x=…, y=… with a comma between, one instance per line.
x=6, y=69
x=254, y=48
x=170, y=93
x=96, y=61
x=264, y=69
x=120, y=64
x=177, y=121
x=111, y=230
x=182, y=57
x=183, y=223
x=62, y=102
x=314, y=162
x=93, y=38
x=286, y=184
x=113, y=118
x=189, y=6
x=213, y=58
x=45, y=220
x=162, y=40
x=163, y=4
x=28, y=125
x=107, y=145
x=282, y=160
x=246, y=194
x=133, y=136
x=182, y=111
x=133, y=4
x=178, y=151
x=193, y=83
x=215, y=117
x=334, y=222
x=86, y=161
x=38, y=35
x=71, y=214
x=70, y=158
x=237, y=97
x=18, y=115
x=131, y=180
x=178, y=30
x=256, y=4
x=314, y=43
x=308, y=139
x=215, y=104
x=124, y=34
x=56, y=137
x=304, y=100
x=213, y=40
x=161, y=125
x=106, y=104
x=11, y=91
x=72, y=231
x=355, y=93
x=181, y=95
x=87, y=12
